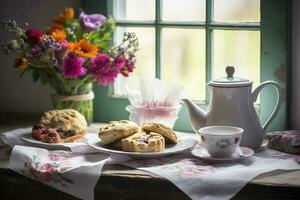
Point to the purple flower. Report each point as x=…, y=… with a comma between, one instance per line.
x=35, y=52
x=102, y=68
x=92, y=22
x=73, y=66
x=61, y=52
x=49, y=42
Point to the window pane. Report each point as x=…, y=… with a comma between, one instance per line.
x=134, y=9
x=183, y=59
x=240, y=49
x=145, y=65
x=237, y=10
x=187, y=10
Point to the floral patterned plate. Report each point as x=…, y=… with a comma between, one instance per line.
x=202, y=153
x=184, y=144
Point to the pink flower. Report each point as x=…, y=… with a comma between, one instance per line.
x=73, y=66
x=43, y=173
x=120, y=62
x=124, y=65
x=64, y=45
x=46, y=168
x=126, y=70
x=33, y=35
x=197, y=171
x=56, y=157
x=102, y=68
x=41, y=176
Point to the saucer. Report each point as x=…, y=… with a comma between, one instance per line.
x=202, y=153
x=263, y=146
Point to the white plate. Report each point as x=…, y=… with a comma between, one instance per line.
x=27, y=137
x=202, y=153
x=184, y=143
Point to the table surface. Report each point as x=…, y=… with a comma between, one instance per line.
x=120, y=182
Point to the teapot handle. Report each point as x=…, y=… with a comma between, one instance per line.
x=278, y=103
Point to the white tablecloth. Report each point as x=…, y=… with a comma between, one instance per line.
x=77, y=173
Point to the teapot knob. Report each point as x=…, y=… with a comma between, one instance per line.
x=230, y=71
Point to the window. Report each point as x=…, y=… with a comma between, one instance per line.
x=185, y=42
x=195, y=45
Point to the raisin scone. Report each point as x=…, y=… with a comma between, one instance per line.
x=50, y=135
x=143, y=142
x=117, y=145
x=166, y=132
x=68, y=123
x=117, y=130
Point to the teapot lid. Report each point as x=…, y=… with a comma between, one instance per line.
x=230, y=80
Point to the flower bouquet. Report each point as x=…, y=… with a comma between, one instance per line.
x=72, y=54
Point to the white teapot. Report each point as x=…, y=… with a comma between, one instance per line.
x=231, y=104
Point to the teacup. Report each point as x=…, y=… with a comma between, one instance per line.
x=221, y=141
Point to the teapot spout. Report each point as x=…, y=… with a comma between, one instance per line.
x=196, y=114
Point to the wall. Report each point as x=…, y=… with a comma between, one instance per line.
x=22, y=95
x=295, y=100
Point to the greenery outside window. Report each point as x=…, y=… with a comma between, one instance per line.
x=191, y=42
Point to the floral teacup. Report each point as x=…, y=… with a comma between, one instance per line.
x=221, y=141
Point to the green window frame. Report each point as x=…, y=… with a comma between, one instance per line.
x=275, y=63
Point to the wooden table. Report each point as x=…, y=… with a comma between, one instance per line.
x=119, y=182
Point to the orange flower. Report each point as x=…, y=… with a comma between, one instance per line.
x=59, y=35
x=61, y=18
x=21, y=63
x=54, y=27
x=69, y=13
x=83, y=49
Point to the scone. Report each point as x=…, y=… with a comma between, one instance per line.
x=166, y=132
x=117, y=130
x=143, y=142
x=36, y=131
x=50, y=135
x=68, y=123
x=117, y=145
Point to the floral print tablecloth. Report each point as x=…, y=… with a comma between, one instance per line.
x=73, y=173
x=215, y=182
x=77, y=173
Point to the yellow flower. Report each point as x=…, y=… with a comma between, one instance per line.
x=83, y=49
x=21, y=63
x=59, y=35
x=61, y=18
